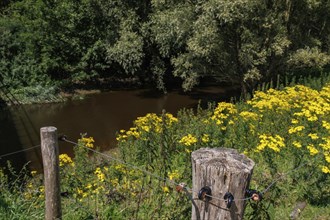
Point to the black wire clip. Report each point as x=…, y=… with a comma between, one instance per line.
x=205, y=193
x=229, y=199
x=254, y=195
x=62, y=138
x=64, y=194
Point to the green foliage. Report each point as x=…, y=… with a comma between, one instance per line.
x=239, y=42
x=127, y=51
x=19, y=199
x=286, y=132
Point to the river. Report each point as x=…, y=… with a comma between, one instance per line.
x=99, y=115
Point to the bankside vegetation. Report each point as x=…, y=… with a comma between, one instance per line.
x=47, y=46
x=285, y=131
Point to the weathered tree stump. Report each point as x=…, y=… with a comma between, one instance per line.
x=222, y=170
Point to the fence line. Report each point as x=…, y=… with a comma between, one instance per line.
x=185, y=188
x=63, y=138
x=19, y=151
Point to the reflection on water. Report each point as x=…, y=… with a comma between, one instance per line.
x=98, y=115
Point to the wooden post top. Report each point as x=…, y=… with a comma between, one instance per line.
x=48, y=129
x=223, y=157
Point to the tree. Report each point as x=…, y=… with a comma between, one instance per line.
x=243, y=42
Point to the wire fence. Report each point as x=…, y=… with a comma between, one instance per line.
x=19, y=151
x=169, y=181
x=182, y=186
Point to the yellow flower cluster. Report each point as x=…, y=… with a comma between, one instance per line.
x=248, y=115
x=310, y=112
x=148, y=123
x=326, y=151
x=65, y=159
x=312, y=150
x=296, y=129
x=205, y=138
x=325, y=169
x=88, y=142
x=274, y=143
x=173, y=175
x=326, y=125
x=297, y=144
x=188, y=140
x=100, y=175
x=81, y=193
x=298, y=96
x=33, y=191
x=223, y=111
x=166, y=189
x=272, y=99
x=313, y=136
x=33, y=173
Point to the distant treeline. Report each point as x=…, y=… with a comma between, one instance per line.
x=54, y=43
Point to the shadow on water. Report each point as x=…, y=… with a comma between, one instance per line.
x=10, y=141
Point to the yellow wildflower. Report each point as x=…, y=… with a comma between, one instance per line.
x=41, y=190
x=294, y=121
x=327, y=157
x=325, y=169
x=100, y=175
x=297, y=144
x=88, y=142
x=296, y=129
x=166, y=189
x=272, y=142
x=313, y=136
x=171, y=119
x=188, y=140
x=79, y=191
x=173, y=175
x=312, y=150
x=133, y=132
x=89, y=186
x=30, y=185
x=64, y=159
x=326, y=125
x=248, y=115
x=205, y=138
x=223, y=111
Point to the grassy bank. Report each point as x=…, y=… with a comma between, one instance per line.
x=286, y=132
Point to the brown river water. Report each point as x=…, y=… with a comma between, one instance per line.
x=99, y=115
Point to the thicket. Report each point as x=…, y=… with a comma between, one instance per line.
x=285, y=131
x=57, y=44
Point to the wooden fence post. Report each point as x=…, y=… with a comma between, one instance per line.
x=223, y=170
x=49, y=150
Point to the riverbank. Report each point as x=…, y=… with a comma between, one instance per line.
x=61, y=93
x=78, y=91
